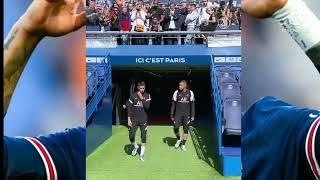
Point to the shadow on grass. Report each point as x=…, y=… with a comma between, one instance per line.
x=170, y=141
x=128, y=148
x=202, y=138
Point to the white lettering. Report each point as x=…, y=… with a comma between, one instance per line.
x=159, y=60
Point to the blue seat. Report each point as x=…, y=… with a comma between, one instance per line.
x=232, y=115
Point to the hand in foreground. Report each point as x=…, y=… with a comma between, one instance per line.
x=262, y=8
x=52, y=17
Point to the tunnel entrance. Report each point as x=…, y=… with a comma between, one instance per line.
x=161, y=84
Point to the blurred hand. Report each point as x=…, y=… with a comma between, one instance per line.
x=129, y=122
x=262, y=8
x=53, y=17
x=192, y=118
x=172, y=119
x=140, y=95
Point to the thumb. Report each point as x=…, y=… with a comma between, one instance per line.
x=80, y=20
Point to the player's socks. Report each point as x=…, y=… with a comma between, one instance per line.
x=135, y=149
x=142, y=153
x=177, y=143
x=136, y=146
x=142, y=157
x=183, y=145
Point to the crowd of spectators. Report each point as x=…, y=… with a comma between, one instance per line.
x=142, y=16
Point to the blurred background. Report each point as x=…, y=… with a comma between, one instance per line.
x=50, y=95
x=274, y=65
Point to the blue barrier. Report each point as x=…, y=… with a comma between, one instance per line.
x=228, y=158
x=98, y=84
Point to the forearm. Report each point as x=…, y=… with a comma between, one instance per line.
x=192, y=109
x=146, y=104
x=173, y=107
x=18, y=47
x=129, y=110
x=302, y=25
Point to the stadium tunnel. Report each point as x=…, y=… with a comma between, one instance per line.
x=161, y=83
x=162, y=68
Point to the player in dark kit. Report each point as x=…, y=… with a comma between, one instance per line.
x=56, y=156
x=182, y=112
x=139, y=103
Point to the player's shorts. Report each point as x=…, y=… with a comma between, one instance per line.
x=143, y=128
x=182, y=120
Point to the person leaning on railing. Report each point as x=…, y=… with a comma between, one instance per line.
x=191, y=21
x=125, y=24
x=138, y=18
x=171, y=22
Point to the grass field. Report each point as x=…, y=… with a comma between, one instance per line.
x=112, y=159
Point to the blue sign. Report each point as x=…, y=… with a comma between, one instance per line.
x=201, y=60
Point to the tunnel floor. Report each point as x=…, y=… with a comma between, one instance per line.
x=113, y=160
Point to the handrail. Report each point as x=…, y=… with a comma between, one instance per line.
x=95, y=34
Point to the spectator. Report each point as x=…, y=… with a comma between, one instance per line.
x=191, y=21
x=156, y=12
x=183, y=12
x=130, y=8
x=203, y=15
x=92, y=16
x=147, y=6
x=163, y=7
x=125, y=20
x=234, y=16
x=115, y=22
x=155, y=27
x=147, y=22
x=125, y=23
x=171, y=22
x=138, y=18
x=211, y=24
x=105, y=22
x=223, y=15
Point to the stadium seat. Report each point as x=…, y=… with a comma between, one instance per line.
x=232, y=115
x=225, y=79
x=229, y=89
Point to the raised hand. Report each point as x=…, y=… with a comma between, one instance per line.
x=53, y=17
x=262, y=8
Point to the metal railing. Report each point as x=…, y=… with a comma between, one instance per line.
x=158, y=38
x=98, y=34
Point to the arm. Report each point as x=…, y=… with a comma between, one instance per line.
x=129, y=106
x=192, y=99
x=133, y=16
x=161, y=18
x=28, y=31
x=295, y=17
x=192, y=110
x=173, y=105
x=146, y=102
x=173, y=108
x=176, y=15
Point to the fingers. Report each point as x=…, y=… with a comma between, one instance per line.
x=80, y=20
